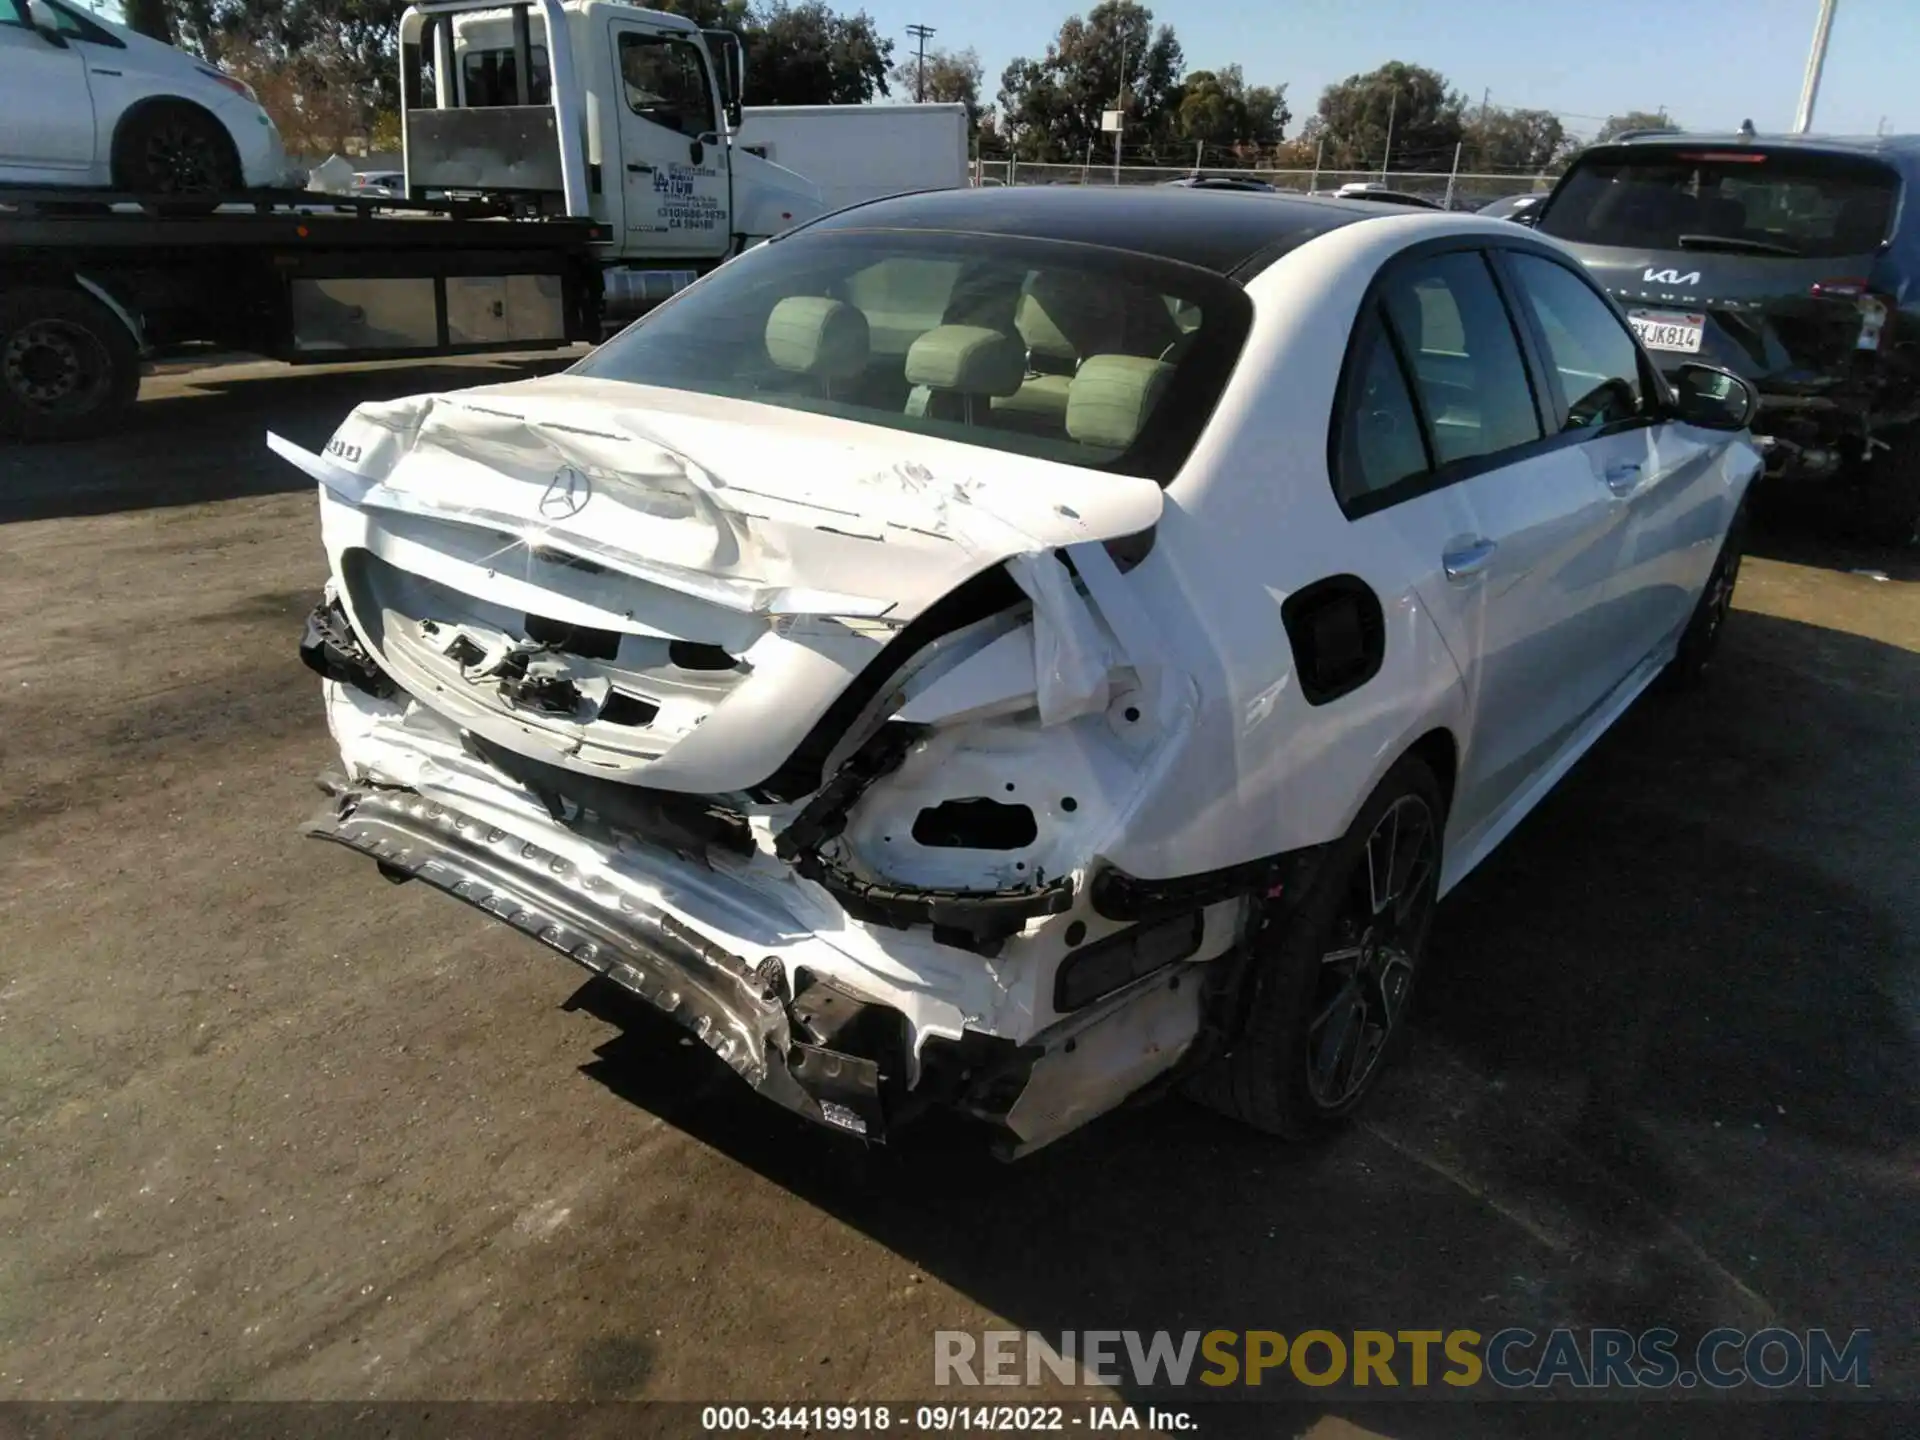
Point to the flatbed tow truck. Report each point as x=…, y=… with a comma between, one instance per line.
x=569, y=163
x=94, y=285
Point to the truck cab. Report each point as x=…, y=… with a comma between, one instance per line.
x=642, y=104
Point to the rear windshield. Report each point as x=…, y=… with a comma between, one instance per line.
x=1768, y=202
x=1067, y=352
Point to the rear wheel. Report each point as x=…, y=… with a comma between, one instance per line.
x=174, y=148
x=67, y=364
x=1891, y=491
x=1332, y=988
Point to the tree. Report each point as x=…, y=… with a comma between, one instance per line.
x=1499, y=141
x=1052, y=107
x=808, y=54
x=1633, y=120
x=149, y=17
x=1423, y=110
x=1218, y=108
x=952, y=78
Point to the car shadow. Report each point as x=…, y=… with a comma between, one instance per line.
x=194, y=440
x=1662, y=1071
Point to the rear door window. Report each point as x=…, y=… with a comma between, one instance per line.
x=1661, y=197
x=1454, y=329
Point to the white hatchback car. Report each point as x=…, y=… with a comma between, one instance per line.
x=86, y=102
x=998, y=650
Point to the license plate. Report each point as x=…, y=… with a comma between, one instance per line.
x=1668, y=329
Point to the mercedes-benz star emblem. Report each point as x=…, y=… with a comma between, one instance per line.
x=566, y=494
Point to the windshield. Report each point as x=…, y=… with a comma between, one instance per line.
x=1067, y=352
x=1768, y=202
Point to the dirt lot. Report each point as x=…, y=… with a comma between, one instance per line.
x=273, y=1129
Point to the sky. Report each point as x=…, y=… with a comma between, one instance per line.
x=1710, y=65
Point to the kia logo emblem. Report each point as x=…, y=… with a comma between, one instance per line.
x=566, y=494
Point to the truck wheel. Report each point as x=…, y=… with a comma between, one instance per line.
x=174, y=148
x=67, y=364
x=1891, y=493
x=1331, y=987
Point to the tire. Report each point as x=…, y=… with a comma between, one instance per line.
x=1701, y=638
x=1283, y=1073
x=172, y=148
x=67, y=364
x=1890, y=491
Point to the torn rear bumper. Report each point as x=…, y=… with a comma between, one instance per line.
x=739, y=1009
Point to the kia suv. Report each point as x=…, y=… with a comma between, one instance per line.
x=1792, y=261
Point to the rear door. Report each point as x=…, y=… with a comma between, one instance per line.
x=673, y=165
x=46, y=107
x=1521, y=540
x=1664, y=476
x=1750, y=257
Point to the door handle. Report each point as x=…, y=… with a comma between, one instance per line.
x=1468, y=558
x=1622, y=476
x=635, y=168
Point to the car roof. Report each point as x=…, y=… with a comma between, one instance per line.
x=1904, y=146
x=1216, y=229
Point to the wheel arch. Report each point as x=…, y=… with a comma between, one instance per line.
x=146, y=105
x=1440, y=752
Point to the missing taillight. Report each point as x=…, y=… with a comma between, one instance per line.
x=623, y=709
x=975, y=825
x=581, y=640
x=690, y=655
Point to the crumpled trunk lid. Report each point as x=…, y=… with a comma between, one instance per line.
x=658, y=588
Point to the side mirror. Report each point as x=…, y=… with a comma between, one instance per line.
x=51, y=36
x=696, y=152
x=1712, y=398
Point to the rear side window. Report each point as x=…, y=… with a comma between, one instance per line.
x=1589, y=350
x=1743, y=200
x=1454, y=330
x=1380, y=440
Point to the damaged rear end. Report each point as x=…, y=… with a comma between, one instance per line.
x=810, y=733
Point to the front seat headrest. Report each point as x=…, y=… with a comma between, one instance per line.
x=969, y=359
x=1111, y=396
x=818, y=336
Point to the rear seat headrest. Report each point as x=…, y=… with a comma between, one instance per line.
x=819, y=336
x=969, y=359
x=1111, y=397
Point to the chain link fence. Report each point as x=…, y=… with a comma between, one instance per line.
x=1459, y=190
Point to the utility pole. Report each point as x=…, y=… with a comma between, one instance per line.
x=920, y=33
x=1119, y=129
x=1816, y=61
x=1393, y=103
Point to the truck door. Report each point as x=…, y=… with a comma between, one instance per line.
x=673, y=162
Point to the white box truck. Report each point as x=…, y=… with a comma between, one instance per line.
x=861, y=152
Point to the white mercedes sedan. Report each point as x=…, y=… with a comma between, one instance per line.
x=1000, y=650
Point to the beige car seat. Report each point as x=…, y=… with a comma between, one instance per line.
x=818, y=337
x=956, y=371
